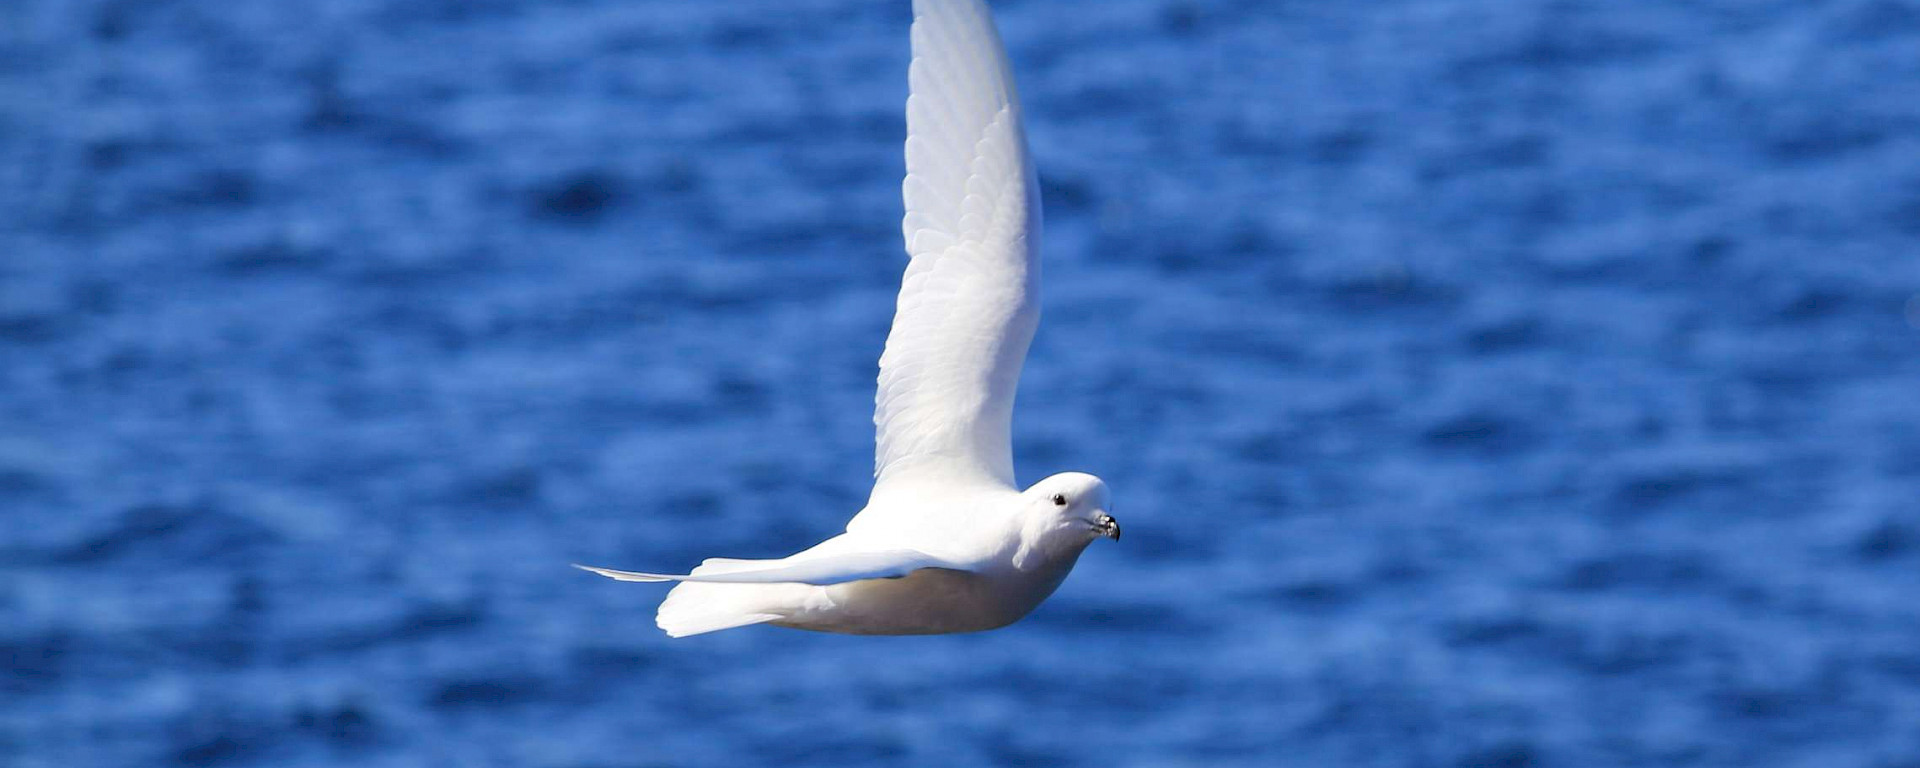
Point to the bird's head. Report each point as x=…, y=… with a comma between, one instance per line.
x=1066, y=511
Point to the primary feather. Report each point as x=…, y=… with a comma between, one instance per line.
x=818, y=571
x=968, y=302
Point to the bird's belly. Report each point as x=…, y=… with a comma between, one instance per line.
x=926, y=602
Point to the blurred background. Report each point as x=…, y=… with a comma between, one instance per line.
x=1482, y=383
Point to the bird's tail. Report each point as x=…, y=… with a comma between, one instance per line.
x=694, y=608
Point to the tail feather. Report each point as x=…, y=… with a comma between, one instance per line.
x=694, y=608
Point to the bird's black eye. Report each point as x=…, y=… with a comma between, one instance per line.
x=1059, y=499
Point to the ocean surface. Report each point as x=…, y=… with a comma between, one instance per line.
x=1482, y=383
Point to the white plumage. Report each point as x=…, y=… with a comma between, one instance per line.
x=947, y=542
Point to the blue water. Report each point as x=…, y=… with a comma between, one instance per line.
x=1481, y=383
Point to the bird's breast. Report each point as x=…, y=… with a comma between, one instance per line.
x=927, y=601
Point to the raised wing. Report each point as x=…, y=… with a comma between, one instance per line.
x=969, y=301
x=818, y=571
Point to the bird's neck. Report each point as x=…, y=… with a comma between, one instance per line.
x=1048, y=549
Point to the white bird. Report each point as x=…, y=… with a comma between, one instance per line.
x=947, y=542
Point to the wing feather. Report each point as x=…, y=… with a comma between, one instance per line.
x=818, y=570
x=968, y=300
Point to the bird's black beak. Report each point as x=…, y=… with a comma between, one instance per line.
x=1106, y=526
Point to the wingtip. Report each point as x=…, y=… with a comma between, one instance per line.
x=621, y=575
